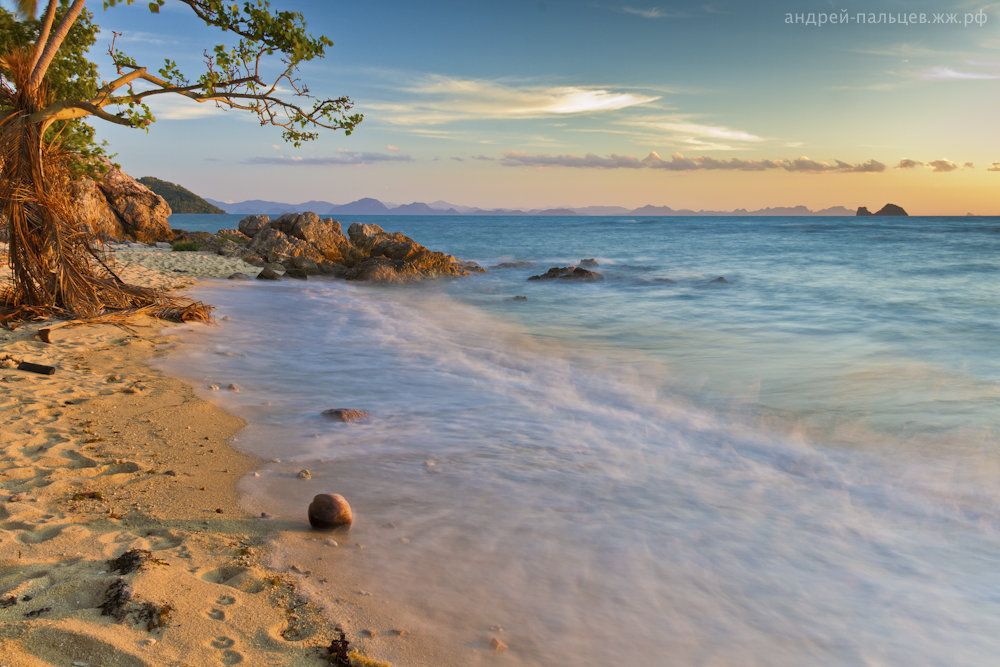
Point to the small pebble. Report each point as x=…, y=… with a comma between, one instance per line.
x=304, y=474
x=497, y=645
x=399, y=633
x=213, y=387
x=331, y=543
x=218, y=510
x=265, y=515
x=368, y=633
x=233, y=387
x=496, y=628
x=256, y=474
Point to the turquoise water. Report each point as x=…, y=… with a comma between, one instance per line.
x=798, y=465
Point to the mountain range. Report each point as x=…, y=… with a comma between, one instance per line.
x=370, y=206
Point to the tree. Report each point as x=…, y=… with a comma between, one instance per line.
x=54, y=264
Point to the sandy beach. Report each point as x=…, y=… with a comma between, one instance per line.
x=123, y=541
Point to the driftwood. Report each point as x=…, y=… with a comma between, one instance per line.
x=36, y=368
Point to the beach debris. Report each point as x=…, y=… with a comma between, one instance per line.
x=575, y=273
x=368, y=633
x=330, y=510
x=41, y=369
x=496, y=628
x=132, y=560
x=497, y=645
x=304, y=474
x=8, y=601
x=87, y=495
x=116, y=598
x=399, y=632
x=34, y=613
x=337, y=651
x=346, y=415
x=155, y=615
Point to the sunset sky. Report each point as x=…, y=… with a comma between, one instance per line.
x=716, y=105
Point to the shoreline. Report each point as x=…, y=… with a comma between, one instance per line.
x=110, y=455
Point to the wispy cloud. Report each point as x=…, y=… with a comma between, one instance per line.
x=343, y=157
x=439, y=99
x=177, y=107
x=681, y=130
x=944, y=73
x=907, y=163
x=994, y=167
x=645, y=12
x=679, y=162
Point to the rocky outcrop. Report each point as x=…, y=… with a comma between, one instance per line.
x=119, y=207
x=888, y=209
x=306, y=244
x=569, y=273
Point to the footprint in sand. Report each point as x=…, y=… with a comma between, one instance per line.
x=229, y=655
x=216, y=614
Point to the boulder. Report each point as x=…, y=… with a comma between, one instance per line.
x=267, y=273
x=330, y=510
x=252, y=224
x=569, y=273
x=118, y=206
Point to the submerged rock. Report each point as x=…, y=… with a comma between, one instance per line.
x=589, y=262
x=330, y=510
x=569, y=273
x=348, y=415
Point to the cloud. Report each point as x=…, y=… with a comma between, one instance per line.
x=943, y=73
x=390, y=147
x=178, y=107
x=342, y=157
x=679, y=162
x=440, y=99
x=645, y=12
x=968, y=165
x=681, y=130
x=907, y=163
x=994, y=167
x=940, y=166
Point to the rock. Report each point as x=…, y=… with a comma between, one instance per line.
x=268, y=274
x=252, y=224
x=240, y=276
x=587, y=262
x=888, y=209
x=519, y=297
x=304, y=264
x=233, y=387
x=497, y=645
x=119, y=207
x=162, y=245
x=891, y=209
x=569, y=273
x=296, y=274
x=304, y=474
x=330, y=510
x=718, y=281
x=349, y=415
x=512, y=265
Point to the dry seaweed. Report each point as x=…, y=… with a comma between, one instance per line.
x=154, y=615
x=132, y=560
x=116, y=598
x=337, y=651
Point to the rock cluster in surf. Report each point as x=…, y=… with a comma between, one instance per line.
x=297, y=245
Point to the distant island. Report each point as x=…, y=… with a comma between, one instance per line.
x=370, y=206
x=888, y=209
x=179, y=198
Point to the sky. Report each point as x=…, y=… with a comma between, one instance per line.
x=532, y=104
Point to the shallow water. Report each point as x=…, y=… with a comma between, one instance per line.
x=797, y=466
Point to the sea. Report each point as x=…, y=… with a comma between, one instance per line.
x=798, y=464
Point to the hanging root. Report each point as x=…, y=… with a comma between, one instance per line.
x=55, y=268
